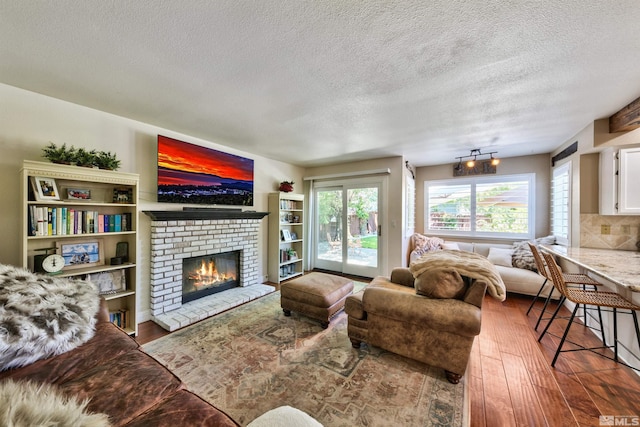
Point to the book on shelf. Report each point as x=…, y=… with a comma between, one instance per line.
x=288, y=204
x=287, y=270
x=59, y=221
x=288, y=255
x=119, y=318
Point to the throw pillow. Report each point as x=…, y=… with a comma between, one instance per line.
x=522, y=256
x=42, y=316
x=31, y=404
x=423, y=244
x=440, y=283
x=500, y=256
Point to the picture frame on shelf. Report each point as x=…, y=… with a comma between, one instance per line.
x=109, y=282
x=294, y=235
x=80, y=194
x=286, y=235
x=81, y=253
x=44, y=188
x=122, y=195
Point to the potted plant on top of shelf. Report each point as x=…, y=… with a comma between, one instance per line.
x=62, y=154
x=85, y=158
x=286, y=186
x=106, y=160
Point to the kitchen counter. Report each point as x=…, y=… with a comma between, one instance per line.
x=621, y=268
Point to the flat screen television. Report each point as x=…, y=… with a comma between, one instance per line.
x=192, y=174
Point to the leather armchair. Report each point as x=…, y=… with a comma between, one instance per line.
x=440, y=332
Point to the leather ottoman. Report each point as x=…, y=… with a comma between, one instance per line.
x=317, y=295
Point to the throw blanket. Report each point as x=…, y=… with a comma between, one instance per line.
x=468, y=264
x=42, y=316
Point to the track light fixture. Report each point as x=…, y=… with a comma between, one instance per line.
x=473, y=157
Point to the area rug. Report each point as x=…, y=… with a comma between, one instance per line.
x=252, y=359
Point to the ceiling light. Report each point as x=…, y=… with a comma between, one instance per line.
x=473, y=157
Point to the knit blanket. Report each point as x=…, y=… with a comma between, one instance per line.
x=468, y=264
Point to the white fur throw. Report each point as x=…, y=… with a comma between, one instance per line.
x=423, y=244
x=522, y=256
x=31, y=404
x=42, y=316
x=468, y=264
x=284, y=416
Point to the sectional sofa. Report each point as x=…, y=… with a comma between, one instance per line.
x=518, y=280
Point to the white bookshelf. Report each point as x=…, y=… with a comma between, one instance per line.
x=286, y=214
x=103, y=187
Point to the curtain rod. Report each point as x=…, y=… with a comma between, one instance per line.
x=347, y=174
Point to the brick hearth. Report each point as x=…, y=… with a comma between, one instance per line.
x=173, y=240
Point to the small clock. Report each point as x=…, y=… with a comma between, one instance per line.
x=53, y=264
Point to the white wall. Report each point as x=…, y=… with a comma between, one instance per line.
x=29, y=121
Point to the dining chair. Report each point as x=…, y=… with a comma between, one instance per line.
x=572, y=279
x=334, y=244
x=582, y=297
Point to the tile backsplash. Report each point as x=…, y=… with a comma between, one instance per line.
x=624, y=231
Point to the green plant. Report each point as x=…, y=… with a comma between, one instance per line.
x=86, y=158
x=369, y=242
x=61, y=154
x=107, y=160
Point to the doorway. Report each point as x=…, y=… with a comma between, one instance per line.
x=347, y=226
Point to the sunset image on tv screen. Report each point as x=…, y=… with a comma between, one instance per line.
x=192, y=174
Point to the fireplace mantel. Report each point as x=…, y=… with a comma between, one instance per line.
x=204, y=213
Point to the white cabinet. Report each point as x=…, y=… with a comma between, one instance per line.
x=619, y=181
x=286, y=243
x=89, y=216
x=629, y=181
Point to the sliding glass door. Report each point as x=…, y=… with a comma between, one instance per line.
x=346, y=226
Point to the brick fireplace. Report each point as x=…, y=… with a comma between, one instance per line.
x=178, y=235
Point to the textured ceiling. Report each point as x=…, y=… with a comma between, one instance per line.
x=313, y=82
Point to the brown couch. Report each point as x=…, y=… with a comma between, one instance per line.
x=440, y=332
x=122, y=381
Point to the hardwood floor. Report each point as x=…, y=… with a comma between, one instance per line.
x=512, y=383
x=149, y=331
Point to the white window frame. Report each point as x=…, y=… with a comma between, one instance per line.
x=529, y=177
x=561, y=239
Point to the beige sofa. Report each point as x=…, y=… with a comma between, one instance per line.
x=516, y=280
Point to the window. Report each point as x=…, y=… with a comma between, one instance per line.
x=561, y=203
x=497, y=206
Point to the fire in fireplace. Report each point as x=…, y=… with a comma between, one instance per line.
x=209, y=274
